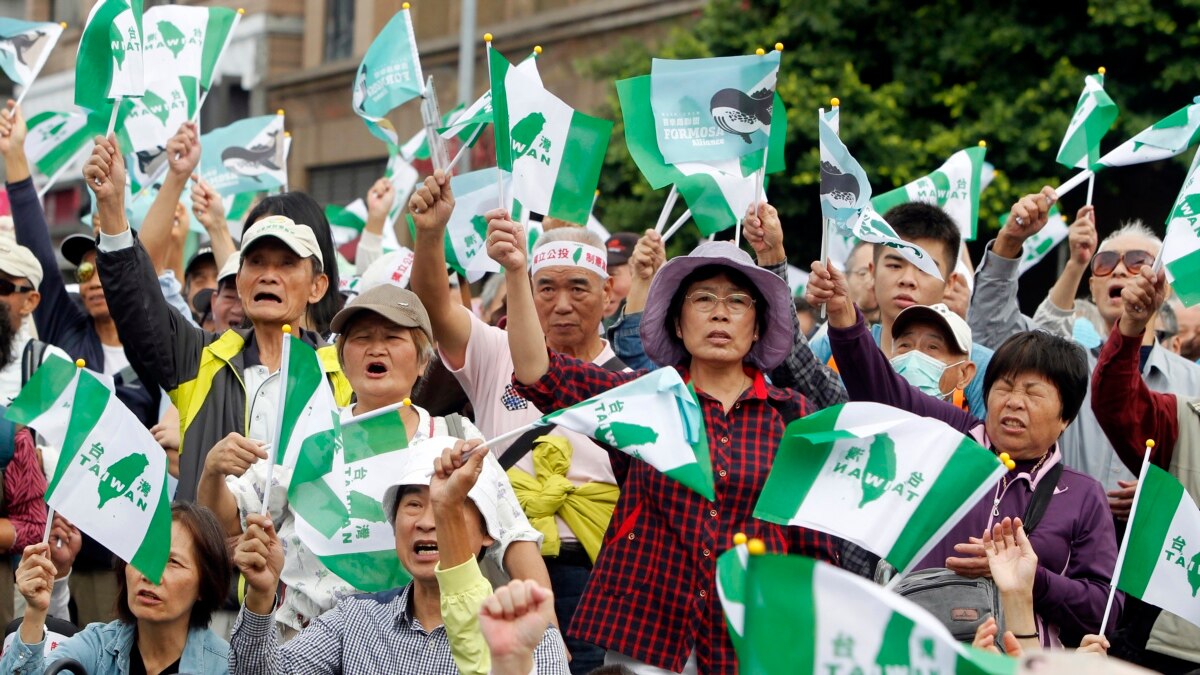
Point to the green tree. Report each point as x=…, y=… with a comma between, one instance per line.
x=918, y=81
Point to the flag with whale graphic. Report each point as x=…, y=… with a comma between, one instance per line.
x=655, y=418
x=886, y=479
x=846, y=197
x=1160, y=561
x=111, y=478
x=25, y=46
x=706, y=110
x=246, y=156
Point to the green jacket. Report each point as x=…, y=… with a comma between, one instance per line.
x=201, y=371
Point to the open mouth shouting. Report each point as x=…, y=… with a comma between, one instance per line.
x=426, y=550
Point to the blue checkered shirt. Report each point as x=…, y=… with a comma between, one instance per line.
x=363, y=634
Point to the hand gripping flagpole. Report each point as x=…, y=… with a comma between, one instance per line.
x=275, y=448
x=1112, y=587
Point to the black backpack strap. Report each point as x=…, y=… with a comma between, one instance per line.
x=31, y=358
x=523, y=445
x=1041, y=498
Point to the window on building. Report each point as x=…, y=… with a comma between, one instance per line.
x=227, y=103
x=343, y=183
x=339, y=29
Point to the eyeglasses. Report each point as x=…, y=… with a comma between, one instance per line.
x=7, y=288
x=705, y=302
x=85, y=272
x=1105, y=262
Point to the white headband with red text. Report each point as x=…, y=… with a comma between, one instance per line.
x=570, y=254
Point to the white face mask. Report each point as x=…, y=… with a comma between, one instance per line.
x=923, y=372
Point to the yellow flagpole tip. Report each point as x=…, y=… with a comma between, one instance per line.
x=835, y=101
x=778, y=46
x=760, y=51
x=406, y=6
x=287, y=328
x=537, y=49
x=1010, y=465
x=80, y=363
x=62, y=23
x=982, y=143
x=287, y=134
x=739, y=538
x=279, y=112
x=597, y=193
x=756, y=546
x=242, y=11
x=487, y=37
x=1150, y=443
x=1102, y=70
x=406, y=402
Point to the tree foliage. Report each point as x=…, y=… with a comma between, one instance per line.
x=918, y=81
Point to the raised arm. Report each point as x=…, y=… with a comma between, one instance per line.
x=995, y=315
x=801, y=370
x=1128, y=411
x=506, y=245
x=210, y=212
x=865, y=370
x=1081, y=239
x=625, y=335
x=431, y=206
x=183, y=154
x=57, y=313
x=370, y=245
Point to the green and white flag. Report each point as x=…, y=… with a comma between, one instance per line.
x=708, y=110
x=718, y=193
x=389, y=76
x=886, y=479
x=954, y=187
x=470, y=122
x=246, y=156
x=475, y=194
x=553, y=152
x=25, y=46
x=188, y=41
x=805, y=616
x=417, y=146
x=1181, y=247
x=109, y=63
x=54, y=139
x=655, y=418
x=346, y=222
x=1094, y=116
x=846, y=199
x=1170, y=136
x=1160, y=561
x=308, y=416
x=731, y=589
x=336, y=492
x=1041, y=243
x=111, y=478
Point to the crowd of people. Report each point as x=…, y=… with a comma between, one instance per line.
x=552, y=552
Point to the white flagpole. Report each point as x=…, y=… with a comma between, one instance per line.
x=672, y=197
x=462, y=152
x=49, y=522
x=277, y=447
x=1072, y=183
x=1112, y=587
x=112, y=120
x=508, y=435
x=1091, y=187
x=676, y=225
x=59, y=174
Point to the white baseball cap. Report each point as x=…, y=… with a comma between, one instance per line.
x=299, y=238
x=18, y=261
x=229, y=269
x=939, y=314
x=416, y=468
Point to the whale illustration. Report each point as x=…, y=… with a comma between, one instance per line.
x=253, y=161
x=740, y=114
x=840, y=187
x=24, y=42
x=150, y=161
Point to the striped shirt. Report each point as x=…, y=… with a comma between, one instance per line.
x=363, y=634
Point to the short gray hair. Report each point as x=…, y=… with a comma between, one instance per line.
x=1136, y=228
x=580, y=235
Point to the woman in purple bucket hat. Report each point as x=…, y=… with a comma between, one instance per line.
x=721, y=322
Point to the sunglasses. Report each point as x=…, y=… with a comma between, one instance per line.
x=85, y=272
x=7, y=288
x=1105, y=262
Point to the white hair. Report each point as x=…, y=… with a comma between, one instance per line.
x=1136, y=228
x=580, y=235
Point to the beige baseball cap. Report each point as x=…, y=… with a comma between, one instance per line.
x=299, y=238
x=19, y=262
x=398, y=305
x=939, y=314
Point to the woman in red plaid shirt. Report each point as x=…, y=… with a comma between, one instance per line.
x=721, y=321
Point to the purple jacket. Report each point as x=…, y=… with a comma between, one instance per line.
x=1075, y=541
